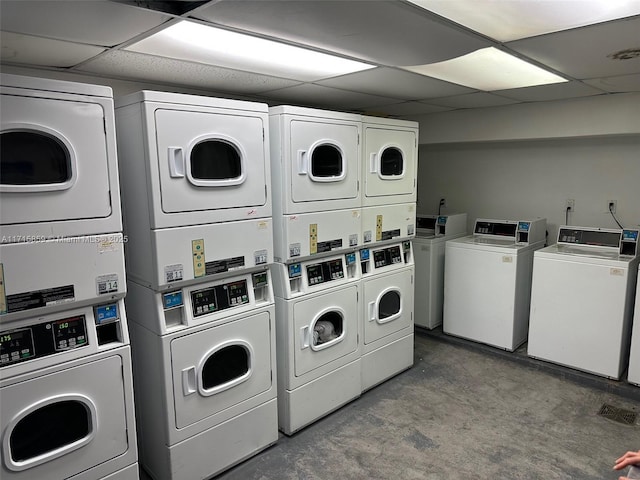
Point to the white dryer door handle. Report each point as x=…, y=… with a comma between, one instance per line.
x=302, y=162
x=176, y=162
x=304, y=337
x=373, y=163
x=372, y=314
x=189, y=381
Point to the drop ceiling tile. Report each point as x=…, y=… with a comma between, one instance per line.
x=91, y=22
x=622, y=83
x=406, y=109
x=137, y=66
x=29, y=50
x=386, y=32
x=555, y=91
x=395, y=83
x=472, y=100
x=325, y=97
x=586, y=52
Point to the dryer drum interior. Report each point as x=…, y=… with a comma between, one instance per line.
x=391, y=162
x=33, y=158
x=49, y=428
x=326, y=161
x=328, y=327
x=225, y=365
x=389, y=305
x=215, y=159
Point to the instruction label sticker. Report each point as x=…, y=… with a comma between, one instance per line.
x=411, y=229
x=226, y=265
x=107, y=284
x=260, y=257
x=353, y=240
x=294, y=249
x=329, y=245
x=507, y=259
x=40, y=298
x=389, y=234
x=173, y=273
x=618, y=272
x=367, y=236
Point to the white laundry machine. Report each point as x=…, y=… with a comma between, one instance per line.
x=433, y=231
x=59, y=197
x=195, y=171
x=58, y=167
x=67, y=407
x=389, y=179
x=387, y=312
x=582, y=299
x=205, y=370
x=317, y=333
x=487, y=281
x=315, y=161
x=634, y=356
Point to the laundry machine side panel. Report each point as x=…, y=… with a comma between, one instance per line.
x=219, y=368
x=307, y=234
x=386, y=223
x=312, y=351
x=82, y=408
x=72, y=185
x=387, y=305
x=522, y=300
x=62, y=273
x=479, y=294
x=424, y=305
x=390, y=164
x=577, y=315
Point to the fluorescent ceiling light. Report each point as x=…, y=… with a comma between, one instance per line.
x=488, y=69
x=199, y=43
x=506, y=20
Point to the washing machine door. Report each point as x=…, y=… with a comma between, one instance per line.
x=53, y=160
x=218, y=368
x=323, y=161
x=325, y=328
x=390, y=163
x=65, y=422
x=388, y=305
x=210, y=160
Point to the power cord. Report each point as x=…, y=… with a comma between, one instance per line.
x=440, y=205
x=613, y=215
x=566, y=216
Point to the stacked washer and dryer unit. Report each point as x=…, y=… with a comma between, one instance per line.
x=196, y=196
x=582, y=301
x=389, y=186
x=67, y=407
x=315, y=159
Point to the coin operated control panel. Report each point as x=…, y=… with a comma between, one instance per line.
x=388, y=258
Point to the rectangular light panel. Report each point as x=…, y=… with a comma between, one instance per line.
x=488, y=69
x=199, y=43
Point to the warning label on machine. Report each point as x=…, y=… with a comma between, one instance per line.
x=19, y=302
x=221, y=266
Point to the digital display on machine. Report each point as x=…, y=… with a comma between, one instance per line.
x=260, y=279
x=220, y=297
x=69, y=333
x=364, y=254
x=589, y=237
x=523, y=226
x=442, y=220
x=630, y=235
x=387, y=256
x=325, y=272
x=350, y=258
x=15, y=346
x=495, y=228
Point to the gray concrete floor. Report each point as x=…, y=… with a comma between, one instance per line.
x=463, y=411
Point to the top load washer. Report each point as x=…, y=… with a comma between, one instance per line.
x=195, y=170
x=390, y=161
x=582, y=299
x=58, y=166
x=634, y=357
x=315, y=159
x=487, y=281
x=433, y=231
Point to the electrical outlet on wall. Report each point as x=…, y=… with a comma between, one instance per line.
x=571, y=203
x=612, y=205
